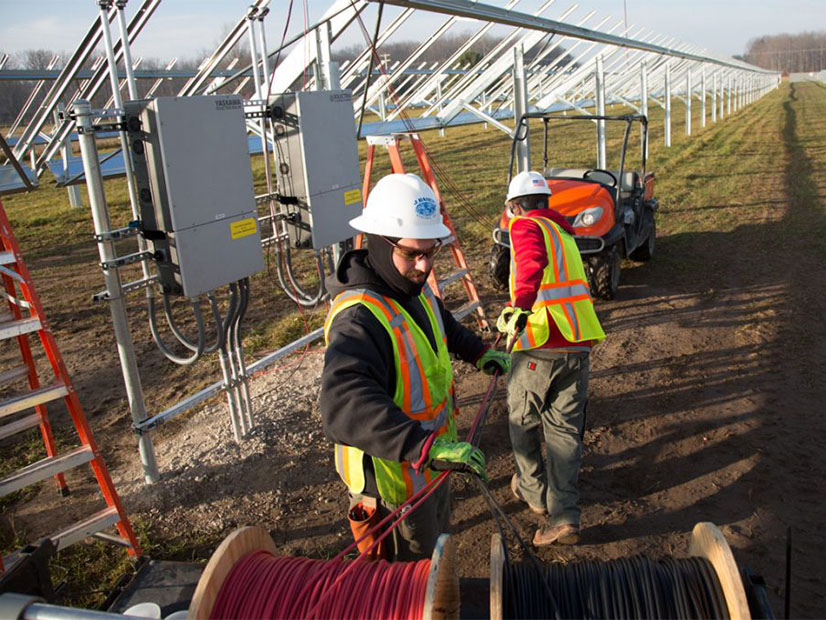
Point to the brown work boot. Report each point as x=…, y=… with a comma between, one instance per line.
x=565, y=534
x=539, y=510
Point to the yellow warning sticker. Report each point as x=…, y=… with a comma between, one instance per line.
x=354, y=195
x=243, y=228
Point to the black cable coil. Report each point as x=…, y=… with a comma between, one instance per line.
x=634, y=587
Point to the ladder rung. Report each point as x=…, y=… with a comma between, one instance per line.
x=86, y=528
x=32, y=399
x=20, y=303
x=462, y=312
x=453, y=277
x=112, y=538
x=20, y=425
x=7, y=258
x=13, y=374
x=45, y=468
x=11, y=329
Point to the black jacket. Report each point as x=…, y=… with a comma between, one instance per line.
x=359, y=376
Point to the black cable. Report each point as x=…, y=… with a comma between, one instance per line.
x=635, y=587
x=496, y=509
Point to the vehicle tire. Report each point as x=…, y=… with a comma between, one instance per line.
x=604, y=273
x=645, y=252
x=499, y=266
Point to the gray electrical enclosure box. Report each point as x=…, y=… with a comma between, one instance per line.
x=318, y=165
x=194, y=182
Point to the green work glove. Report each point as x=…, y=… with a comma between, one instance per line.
x=461, y=455
x=493, y=360
x=512, y=321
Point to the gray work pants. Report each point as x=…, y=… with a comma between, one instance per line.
x=416, y=536
x=547, y=392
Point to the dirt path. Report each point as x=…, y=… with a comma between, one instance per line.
x=705, y=398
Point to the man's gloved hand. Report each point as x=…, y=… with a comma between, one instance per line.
x=493, y=360
x=461, y=455
x=512, y=321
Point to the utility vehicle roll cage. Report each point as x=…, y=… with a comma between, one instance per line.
x=521, y=133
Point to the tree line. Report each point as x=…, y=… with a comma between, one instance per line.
x=789, y=53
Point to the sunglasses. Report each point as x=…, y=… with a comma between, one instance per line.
x=412, y=254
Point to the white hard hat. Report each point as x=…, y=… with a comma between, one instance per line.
x=527, y=184
x=403, y=206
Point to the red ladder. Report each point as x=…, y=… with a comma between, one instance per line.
x=392, y=143
x=14, y=419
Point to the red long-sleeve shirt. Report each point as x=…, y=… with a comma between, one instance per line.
x=532, y=258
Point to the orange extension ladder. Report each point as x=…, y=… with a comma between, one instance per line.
x=13, y=410
x=392, y=143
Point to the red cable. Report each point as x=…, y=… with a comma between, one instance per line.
x=263, y=586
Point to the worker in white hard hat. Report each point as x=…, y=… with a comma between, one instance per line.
x=551, y=316
x=387, y=396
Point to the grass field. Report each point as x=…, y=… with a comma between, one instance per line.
x=754, y=180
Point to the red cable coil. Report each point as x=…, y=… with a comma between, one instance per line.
x=266, y=587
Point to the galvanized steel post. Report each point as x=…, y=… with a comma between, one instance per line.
x=722, y=98
x=599, y=87
x=703, y=95
x=520, y=105
x=714, y=97
x=65, y=152
x=667, y=103
x=644, y=97
x=439, y=109
x=117, y=307
x=131, y=84
x=688, y=102
x=256, y=77
x=113, y=79
x=728, y=106
x=133, y=94
x=324, y=79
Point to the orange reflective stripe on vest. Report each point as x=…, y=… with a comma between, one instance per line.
x=424, y=389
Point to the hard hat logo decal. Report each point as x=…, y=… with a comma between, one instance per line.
x=425, y=207
x=537, y=182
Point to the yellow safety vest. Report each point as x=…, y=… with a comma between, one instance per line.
x=424, y=389
x=563, y=295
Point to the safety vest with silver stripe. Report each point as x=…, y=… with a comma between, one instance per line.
x=424, y=389
x=563, y=296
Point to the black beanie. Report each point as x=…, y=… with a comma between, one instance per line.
x=380, y=256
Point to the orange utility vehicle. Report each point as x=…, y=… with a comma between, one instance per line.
x=611, y=211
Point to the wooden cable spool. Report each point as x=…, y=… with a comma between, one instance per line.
x=707, y=541
x=441, y=601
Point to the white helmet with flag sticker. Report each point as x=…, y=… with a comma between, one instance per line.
x=528, y=184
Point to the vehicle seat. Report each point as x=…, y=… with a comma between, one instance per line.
x=628, y=183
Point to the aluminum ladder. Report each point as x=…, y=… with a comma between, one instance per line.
x=25, y=316
x=462, y=273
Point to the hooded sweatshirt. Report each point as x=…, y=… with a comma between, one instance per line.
x=359, y=376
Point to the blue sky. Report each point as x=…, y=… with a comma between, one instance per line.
x=191, y=28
